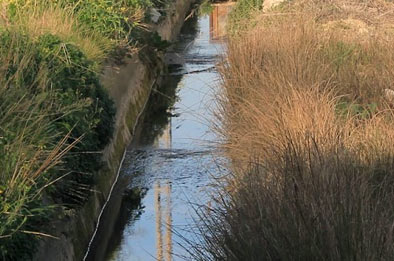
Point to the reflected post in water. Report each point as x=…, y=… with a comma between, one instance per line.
x=166, y=251
x=169, y=223
x=159, y=239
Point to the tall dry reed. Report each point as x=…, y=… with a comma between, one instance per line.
x=307, y=124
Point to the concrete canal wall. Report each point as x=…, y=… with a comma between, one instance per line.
x=129, y=85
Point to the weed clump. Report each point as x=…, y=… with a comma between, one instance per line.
x=31, y=147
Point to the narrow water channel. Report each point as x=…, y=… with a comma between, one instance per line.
x=167, y=168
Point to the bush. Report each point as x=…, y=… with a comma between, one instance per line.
x=49, y=90
x=30, y=146
x=114, y=19
x=74, y=78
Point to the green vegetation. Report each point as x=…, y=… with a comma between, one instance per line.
x=306, y=120
x=55, y=116
x=240, y=17
x=31, y=144
x=97, y=27
x=205, y=7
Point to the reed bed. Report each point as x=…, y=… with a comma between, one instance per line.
x=306, y=119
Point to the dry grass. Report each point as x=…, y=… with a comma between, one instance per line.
x=62, y=22
x=306, y=123
x=61, y=19
x=30, y=148
x=289, y=78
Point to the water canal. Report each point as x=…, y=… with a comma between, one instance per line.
x=168, y=167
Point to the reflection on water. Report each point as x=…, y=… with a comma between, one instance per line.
x=167, y=244
x=168, y=166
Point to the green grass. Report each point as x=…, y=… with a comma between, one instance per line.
x=205, y=7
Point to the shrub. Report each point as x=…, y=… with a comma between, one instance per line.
x=30, y=146
x=74, y=78
x=49, y=90
x=114, y=19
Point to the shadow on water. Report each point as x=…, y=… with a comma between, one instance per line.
x=124, y=205
x=158, y=111
x=131, y=209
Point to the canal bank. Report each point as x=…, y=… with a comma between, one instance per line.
x=129, y=84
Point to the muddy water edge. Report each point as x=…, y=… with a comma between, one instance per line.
x=169, y=165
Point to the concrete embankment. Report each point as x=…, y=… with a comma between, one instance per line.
x=130, y=85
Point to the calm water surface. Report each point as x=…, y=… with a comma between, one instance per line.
x=171, y=161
